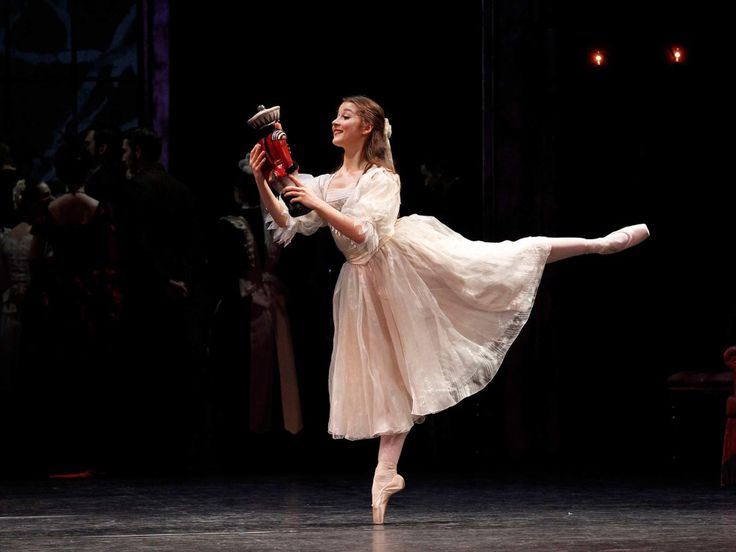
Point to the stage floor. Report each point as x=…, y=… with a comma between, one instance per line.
x=327, y=514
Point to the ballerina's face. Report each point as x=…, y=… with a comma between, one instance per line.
x=348, y=129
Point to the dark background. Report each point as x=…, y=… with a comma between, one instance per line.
x=503, y=98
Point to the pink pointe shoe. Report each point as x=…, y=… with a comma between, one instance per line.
x=380, y=498
x=624, y=238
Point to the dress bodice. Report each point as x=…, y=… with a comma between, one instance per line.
x=338, y=197
x=372, y=203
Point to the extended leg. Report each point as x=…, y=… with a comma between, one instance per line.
x=564, y=248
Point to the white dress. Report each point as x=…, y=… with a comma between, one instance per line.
x=423, y=316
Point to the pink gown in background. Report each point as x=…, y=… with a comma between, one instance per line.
x=423, y=316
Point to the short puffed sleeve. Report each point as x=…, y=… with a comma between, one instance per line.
x=374, y=205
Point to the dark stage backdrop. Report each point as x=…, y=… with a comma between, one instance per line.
x=499, y=103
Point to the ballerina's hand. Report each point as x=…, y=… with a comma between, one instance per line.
x=259, y=164
x=300, y=193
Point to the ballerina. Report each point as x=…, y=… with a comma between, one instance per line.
x=423, y=316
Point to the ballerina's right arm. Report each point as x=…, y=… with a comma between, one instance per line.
x=269, y=201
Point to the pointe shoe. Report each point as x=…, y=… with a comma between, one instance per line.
x=627, y=237
x=380, y=500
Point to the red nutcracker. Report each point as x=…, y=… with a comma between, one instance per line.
x=272, y=139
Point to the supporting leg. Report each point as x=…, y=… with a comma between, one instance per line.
x=386, y=482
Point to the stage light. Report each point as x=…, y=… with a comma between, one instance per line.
x=677, y=54
x=598, y=58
